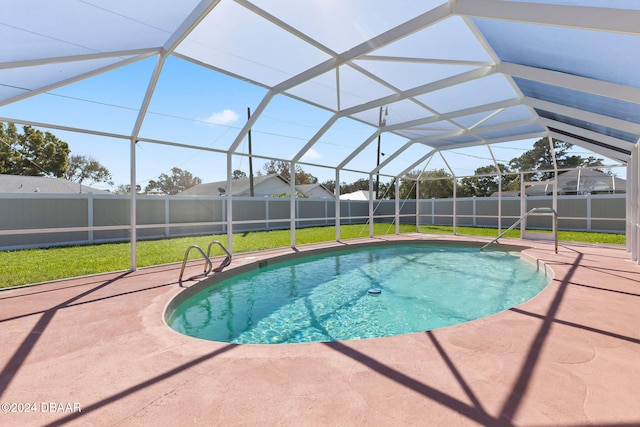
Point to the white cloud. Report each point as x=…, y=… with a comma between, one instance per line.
x=225, y=117
x=311, y=154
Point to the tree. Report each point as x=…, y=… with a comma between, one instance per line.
x=330, y=185
x=126, y=189
x=539, y=158
x=484, y=186
x=360, y=185
x=178, y=181
x=238, y=174
x=438, y=188
x=33, y=152
x=282, y=168
x=436, y=183
x=81, y=168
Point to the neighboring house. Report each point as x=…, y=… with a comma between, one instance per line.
x=577, y=181
x=263, y=186
x=39, y=184
x=356, y=195
x=314, y=191
x=589, y=181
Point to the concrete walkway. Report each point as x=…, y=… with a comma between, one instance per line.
x=96, y=352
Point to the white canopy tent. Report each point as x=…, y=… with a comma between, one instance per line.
x=447, y=74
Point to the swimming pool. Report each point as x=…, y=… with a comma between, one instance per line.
x=358, y=293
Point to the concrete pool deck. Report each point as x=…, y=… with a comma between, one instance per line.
x=96, y=351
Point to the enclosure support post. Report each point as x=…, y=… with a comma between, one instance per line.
x=588, y=211
x=370, y=205
x=229, y=198
x=554, y=204
x=523, y=205
x=133, y=212
x=397, y=190
x=90, y=217
x=629, y=206
x=499, y=203
x=455, y=182
x=636, y=208
x=336, y=192
x=167, y=217
x=634, y=164
x=474, y=211
x=433, y=211
x=292, y=206
x=418, y=205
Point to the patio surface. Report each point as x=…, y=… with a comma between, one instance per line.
x=96, y=352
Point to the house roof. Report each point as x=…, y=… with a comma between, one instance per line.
x=582, y=181
x=37, y=184
x=577, y=181
x=314, y=189
x=356, y=195
x=239, y=186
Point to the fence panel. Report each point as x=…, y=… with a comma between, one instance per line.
x=604, y=207
x=170, y=216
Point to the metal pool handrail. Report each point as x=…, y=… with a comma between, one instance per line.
x=207, y=258
x=225, y=262
x=534, y=210
x=186, y=257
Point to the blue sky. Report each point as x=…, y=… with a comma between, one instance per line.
x=195, y=106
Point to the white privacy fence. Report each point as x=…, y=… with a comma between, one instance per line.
x=41, y=220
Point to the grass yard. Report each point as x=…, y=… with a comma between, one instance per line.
x=40, y=265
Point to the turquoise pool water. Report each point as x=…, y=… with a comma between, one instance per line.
x=335, y=296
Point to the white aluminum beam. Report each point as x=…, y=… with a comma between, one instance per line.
x=584, y=115
x=336, y=193
x=533, y=135
x=78, y=58
x=286, y=27
x=132, y=166
x=74, y=79
x=252, y=120
x=229, y=202
x=591, y=18
x=409, y=27
x=390, y=158
x=421, y=90
x=147, y=97
x=371, y=210
x=611, y=154
x=493, y=106
x=414, y=164
x=569, y=81
x=426, y=60
x=189, y=24
x=133, y=238
x=293, y=201
x=450, y=170
x=501, y=126
x=358, y=150
x=316, y=137
x=65, y=128
x=605, y=139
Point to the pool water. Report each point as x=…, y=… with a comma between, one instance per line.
x=414, y=287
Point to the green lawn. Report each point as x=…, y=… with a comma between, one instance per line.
x=40, y=265
x=566, y=236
